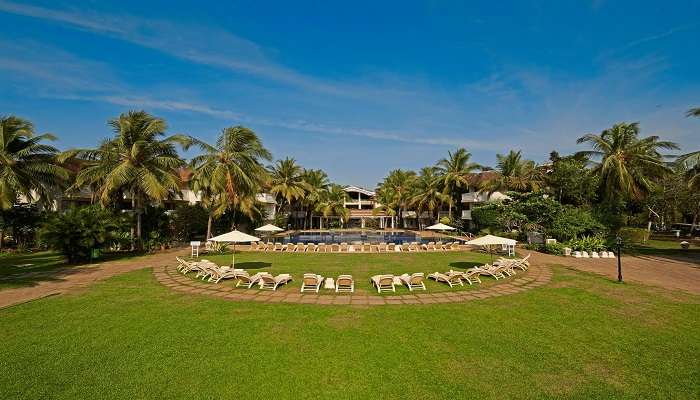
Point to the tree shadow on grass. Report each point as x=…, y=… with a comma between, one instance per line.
x=253, y=265
x=464, y=264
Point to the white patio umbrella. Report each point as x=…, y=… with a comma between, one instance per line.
x=269, y=228
x=491, y=240
x=234, y=237
x=440, y=227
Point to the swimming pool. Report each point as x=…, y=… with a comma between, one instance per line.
x=355, y=237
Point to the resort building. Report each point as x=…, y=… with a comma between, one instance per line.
x=361, y=204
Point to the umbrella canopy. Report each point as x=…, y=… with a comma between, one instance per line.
x=234, y=237
x=440, y=227
x=269, y=228
x=491, y=240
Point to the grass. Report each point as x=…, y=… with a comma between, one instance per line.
x=28, y=269
x=361, y=266
x=581, y=336
x=667, y=248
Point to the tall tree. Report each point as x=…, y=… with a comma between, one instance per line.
x=627, y=164
x=454, y=174
x=28, y=166
x=514, y=173
x=138, y=161
x=395, y=191
x=286, y=182
x=427, y=195
x=231, y=172
x=333, y=204
x=691, y=161
x=317, y=183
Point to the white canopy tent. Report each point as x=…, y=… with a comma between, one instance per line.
x=491, y=240
x=234, y=237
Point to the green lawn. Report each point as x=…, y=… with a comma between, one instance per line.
x=27, y=269
x=581, y=336
x=360, y=266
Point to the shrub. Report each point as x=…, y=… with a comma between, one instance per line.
x=79, y=231
x=574, y=222
x=633, y=235
x=589, y=243
x=189, y=222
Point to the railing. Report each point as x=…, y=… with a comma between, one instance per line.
x=466, y=214
x=474, y=197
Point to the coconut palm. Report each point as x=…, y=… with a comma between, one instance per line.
x=395, y=192
x=28, y=166
x=514, y=173
x=691, y=161
x=627, y=164
x=231, y=172
x=138, y=162
x=286, y=182
x=333, y=203
x=454, y=174
x=693, y=112
x=428, y=196
x=317, y=184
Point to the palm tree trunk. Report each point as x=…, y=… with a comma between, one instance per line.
x=209, y=222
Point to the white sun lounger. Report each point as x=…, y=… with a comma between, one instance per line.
x=311, y=283
x=413, y=281
x=344, y=283
x=383, y=283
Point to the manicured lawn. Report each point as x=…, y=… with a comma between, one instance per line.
x=581, y=336
x=27, y=269
x=360, y=266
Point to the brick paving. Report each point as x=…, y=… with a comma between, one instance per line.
x=168, y=275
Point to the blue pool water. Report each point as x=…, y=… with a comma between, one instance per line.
x=351, y=237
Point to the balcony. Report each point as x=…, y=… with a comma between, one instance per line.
x=474, y=197
x=467, y=214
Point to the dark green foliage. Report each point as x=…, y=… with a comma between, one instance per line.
x=570, y=182
x=571, y=222
x=189, y=222
x=79, y=231
x=20, y=223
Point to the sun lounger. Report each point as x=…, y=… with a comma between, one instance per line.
x=594, y=254
x=248, y=281
x=344, y=283
x=343, y=247
x=383, y=283
x=391, y=247
x=366, y=247
x=399, y=248
x=382, y=247
x=431, y=246
x=277, y=247
x=490, y=270
x=269, y=282
x=577, y=254
x=611, y=254
x=321, y=248
x=311, y=283
x=584, y=254
x=413, y=281
x=470, y=276
x=451, y=280
x=225, y=273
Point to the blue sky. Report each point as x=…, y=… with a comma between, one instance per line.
x=358, y=88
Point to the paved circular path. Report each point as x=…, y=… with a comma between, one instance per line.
x=170, y=277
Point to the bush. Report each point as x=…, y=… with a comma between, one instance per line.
x=589, y=243
x=572, y=223
x=80, y=231
x=633, y=235
x=189, y=222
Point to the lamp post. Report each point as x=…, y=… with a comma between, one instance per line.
x=618, y=240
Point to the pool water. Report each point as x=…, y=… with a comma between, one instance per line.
x=354, y=237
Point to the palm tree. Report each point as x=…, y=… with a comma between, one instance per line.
x=317, y=184
x=286, y=182
x=137, y=162
x=428, y=195
x=28, y=167
x=231, y=172
x=395, y=191
x=333, y=203
x=454, y=173
x=514, y=173
x=691, y=161
x=627, y=164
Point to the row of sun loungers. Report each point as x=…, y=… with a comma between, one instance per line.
x=594, y=254
x=500, y=269
x=354, y=248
